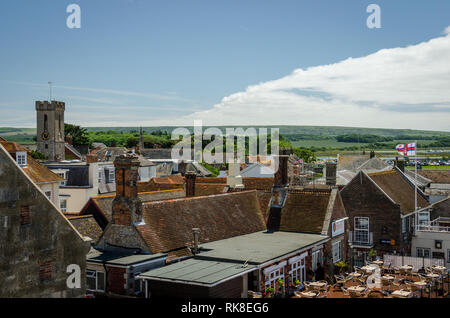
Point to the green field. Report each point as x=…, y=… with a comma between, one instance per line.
x=431, y=168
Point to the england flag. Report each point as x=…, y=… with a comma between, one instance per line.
x=406, y=149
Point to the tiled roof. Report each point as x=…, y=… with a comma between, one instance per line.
x=398, y=189
x=167, y=225
x=87, y=226
x=437, y=176
x=37, y=172
x=161, y=183
x=103, y=204
x=305, y=211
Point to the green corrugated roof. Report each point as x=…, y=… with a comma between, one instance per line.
x=198, y=271
x=259, y=247
x=114, y=258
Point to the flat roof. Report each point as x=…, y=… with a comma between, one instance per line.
x=114, y=258
x=197, y=271
x=259, y=247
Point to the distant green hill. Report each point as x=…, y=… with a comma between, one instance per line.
x=301, y=136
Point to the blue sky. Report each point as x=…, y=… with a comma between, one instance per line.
x=160, y=62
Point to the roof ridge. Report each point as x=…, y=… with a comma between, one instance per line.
x=199, y=197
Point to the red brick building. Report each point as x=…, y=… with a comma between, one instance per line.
x=380, y=208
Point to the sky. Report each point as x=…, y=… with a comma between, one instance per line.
x=234, y=62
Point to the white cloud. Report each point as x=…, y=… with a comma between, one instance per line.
x=393, y=88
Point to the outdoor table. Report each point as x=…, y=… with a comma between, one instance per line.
x=406, y=267
x=402, y=294
x=379, y=263
x=308, y=294
x=317, y=285
x=432, y=276
x=387, y=277
x=421, y=285
x=368, y=269
x=355, y=275
x=358, y=289
x=440, y=269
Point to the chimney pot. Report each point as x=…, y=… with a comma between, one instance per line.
x=190, y=183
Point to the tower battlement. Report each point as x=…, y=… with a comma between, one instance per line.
x=53, y=105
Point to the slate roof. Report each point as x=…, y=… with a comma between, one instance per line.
x=156, y=153
x=198, y=272
x=258, y=247
x=113, y=152
x=37, y=172
x=167, y=225
x=396, y=187
x=86, y=226
x=421, y=180
x=305, y=211
x=351, y=162
x=124, y=259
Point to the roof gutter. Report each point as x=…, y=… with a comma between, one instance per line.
x=196, y=283
x=326, y=239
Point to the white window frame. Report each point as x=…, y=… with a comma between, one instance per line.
x=100, y=175
x=423, y=220
x=21, y=158
x=111, y=174
x=337, y=254
x=422, y=250
x=61, y=200
x=273, y=274
x=358, y=231
x=90, y=273
x=316, y=258
x=297, y=268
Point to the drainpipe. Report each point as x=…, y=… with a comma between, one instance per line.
x=196, y=232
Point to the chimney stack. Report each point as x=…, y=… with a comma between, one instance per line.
x=400, y=164
x=127, y=207
x=182, y=165
x=196, y=232
x=281, y=176
x=330, y=173
x=372, y=154
x=91, y=158
x=190, y=183
x=234, y=178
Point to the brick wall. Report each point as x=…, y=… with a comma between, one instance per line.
x=116, y=280
x=362, y=198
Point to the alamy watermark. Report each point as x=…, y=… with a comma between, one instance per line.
x=239, y=145
x=74, y=19
x=374, y=20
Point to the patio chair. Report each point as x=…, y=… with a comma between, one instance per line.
x=345, y=291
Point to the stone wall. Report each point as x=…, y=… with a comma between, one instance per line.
x=37, y=243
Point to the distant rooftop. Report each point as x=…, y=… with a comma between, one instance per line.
x=113, y=258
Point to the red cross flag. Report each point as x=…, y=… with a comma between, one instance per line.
x=406, y=149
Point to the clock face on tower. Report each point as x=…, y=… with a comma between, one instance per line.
x=45, y=135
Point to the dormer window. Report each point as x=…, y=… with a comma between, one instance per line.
x=21, y=158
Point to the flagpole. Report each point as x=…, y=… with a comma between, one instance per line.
x=415, y=192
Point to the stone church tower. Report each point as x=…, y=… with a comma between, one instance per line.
x=50, y=129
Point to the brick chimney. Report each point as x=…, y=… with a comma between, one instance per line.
x=281, y=176
x=190, y=183
x=69, y=139
x=372, y=154
x=234, y=178
x=330, y=173
x=127, y=207
x=182, y=165
x=400, y=164
x=91, y=158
